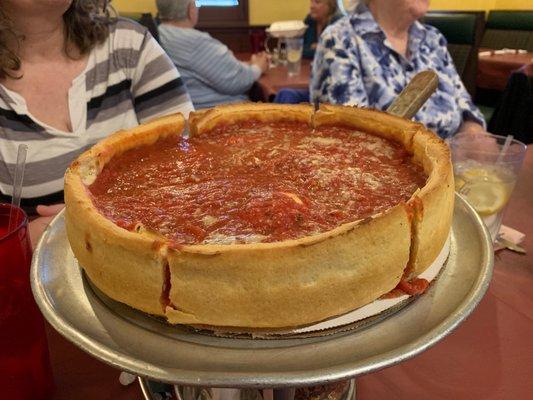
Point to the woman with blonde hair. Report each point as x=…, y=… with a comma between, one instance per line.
x=321, y=14
x=70, y=75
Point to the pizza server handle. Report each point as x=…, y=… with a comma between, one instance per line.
x=415, y=94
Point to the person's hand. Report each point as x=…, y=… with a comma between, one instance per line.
x=472, y=127
x=480, y=138
x=486, y=144
x=39, y=224
x=475, y=143
x=261, y=60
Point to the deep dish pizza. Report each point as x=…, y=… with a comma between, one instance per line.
x=264, y=216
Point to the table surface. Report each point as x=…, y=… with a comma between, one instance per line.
x=277, y=78
x=489, y=356
x=494, y=69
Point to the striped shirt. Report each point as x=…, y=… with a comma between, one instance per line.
x=211, y=72
x=128, y=80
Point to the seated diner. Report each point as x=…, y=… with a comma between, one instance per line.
x=210, y=71
x=70, y=75
x=321, y=14
x=367, y=58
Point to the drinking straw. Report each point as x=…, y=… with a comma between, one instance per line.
x=504, y=149
x=17, y=181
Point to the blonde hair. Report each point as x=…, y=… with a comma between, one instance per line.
x=333, y=7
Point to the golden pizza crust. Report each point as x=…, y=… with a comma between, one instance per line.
x=294, y=282
x=126, y=266
x=374, y=122
x=433, y=204
x=263, y=285
x=206, y=120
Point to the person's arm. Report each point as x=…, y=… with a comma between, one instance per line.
x=336, y=76
x=157, y=87
x=218, y=68
x=473, y=121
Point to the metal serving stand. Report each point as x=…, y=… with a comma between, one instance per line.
x=147, y=347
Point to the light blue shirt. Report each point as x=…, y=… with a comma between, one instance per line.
x=355, y=64
x=209, y=69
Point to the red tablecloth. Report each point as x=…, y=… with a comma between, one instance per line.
x=490, y=356
x=277, y=78
x=494, y=69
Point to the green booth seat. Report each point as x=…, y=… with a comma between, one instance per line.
x=487, y=111
x=463, y=31
x=509, y=29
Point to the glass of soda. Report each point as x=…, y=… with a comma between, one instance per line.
x=25, y=372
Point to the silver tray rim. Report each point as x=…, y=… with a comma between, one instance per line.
x=264, y=379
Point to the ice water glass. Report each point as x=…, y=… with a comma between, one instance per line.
x=486, y=174
x=294, y=48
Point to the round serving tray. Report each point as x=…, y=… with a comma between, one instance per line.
x=174, y=354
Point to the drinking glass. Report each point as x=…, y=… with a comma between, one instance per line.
x=486, y=170
x=295, y=48
x=25, y=372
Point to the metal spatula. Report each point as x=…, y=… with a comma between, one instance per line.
x=414, y=95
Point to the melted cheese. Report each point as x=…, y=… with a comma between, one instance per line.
x=220, y=238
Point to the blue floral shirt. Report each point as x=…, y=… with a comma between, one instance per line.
x=355, y=64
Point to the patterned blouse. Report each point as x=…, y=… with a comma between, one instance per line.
x=355, y=64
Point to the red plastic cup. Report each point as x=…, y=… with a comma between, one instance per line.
x=25, y=372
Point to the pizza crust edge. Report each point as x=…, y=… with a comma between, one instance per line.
x=265, y=285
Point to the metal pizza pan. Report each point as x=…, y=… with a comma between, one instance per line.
x=174, y=354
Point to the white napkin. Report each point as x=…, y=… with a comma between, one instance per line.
x=509, y=234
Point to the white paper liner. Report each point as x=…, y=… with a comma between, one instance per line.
x=378, y=305
x=343, y=322
x=340, y=323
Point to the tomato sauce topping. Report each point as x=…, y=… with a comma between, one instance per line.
x=255, y=182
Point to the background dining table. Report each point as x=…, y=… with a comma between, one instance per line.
x=277, y=78
x=489, y=356
x=495, y=67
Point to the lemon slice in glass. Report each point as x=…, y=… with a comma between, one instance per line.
x=294, y=56
x=485, y=191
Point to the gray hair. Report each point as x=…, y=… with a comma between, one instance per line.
x=173, y=10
